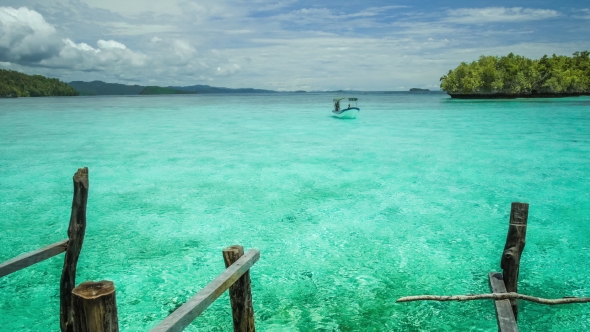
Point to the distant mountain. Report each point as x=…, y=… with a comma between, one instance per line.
x=98, y=88
x=157, y=90
x=211, y=89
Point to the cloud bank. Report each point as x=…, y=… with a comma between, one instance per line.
x=499, y=14
x=25, y=36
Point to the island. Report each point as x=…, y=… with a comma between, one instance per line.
x=14, y=84
x=418, y=90
x=515, y=76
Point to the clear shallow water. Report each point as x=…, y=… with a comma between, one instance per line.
x=413, y=197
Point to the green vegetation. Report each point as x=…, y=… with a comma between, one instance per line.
x=520, y=76
x=157, y=90
x=97, y=88
x=14, y=84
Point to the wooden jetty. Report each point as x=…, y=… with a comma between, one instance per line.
x=91, y=306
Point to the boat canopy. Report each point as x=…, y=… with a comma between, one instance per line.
x=349, y=99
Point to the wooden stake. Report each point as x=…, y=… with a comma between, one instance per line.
x=76, y=232
x=515, y=241
x=95, y=307
x=240, y=293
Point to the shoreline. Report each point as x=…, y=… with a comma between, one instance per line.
x=515, y=96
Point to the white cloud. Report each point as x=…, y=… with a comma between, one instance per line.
x=25, y=36
x=183, y=52
x=136, y=7
x=135, y=29
x=585, y=14
x=109, y=55
x=498, y=14
x=156, y=39
x=227, y=69
x=81, y=47
x=338, y=19
x=110, y=44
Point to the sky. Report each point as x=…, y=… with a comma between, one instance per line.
x=285, y=45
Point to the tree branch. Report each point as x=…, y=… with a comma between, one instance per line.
x=494, y=296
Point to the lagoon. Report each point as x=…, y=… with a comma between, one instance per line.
x=412, y=197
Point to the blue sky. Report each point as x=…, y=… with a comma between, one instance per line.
x=280, y=45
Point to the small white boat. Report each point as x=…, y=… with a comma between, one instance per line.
x=350, y=112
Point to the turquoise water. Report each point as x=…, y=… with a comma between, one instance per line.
x=412, y=197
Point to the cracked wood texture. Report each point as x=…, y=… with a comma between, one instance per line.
x=95, y=307
x=515, y=241
x=76, y=232
x=240, y=293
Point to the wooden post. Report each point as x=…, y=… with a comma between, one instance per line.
x=76, y=232
x=515, y=241
x=240, y=293
x=95, y=307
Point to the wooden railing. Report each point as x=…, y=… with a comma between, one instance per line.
x=91, y=306
x=95, y=306
x=504, y=285
x=71, y=247
x=236, y=278
x=33, y=257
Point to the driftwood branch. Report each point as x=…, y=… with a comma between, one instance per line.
x=494, y=296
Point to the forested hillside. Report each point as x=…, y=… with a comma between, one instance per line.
x=97, y=88
x=520, y=76
x=14, y=84
x=158, y=90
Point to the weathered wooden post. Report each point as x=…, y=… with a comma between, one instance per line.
x=76, y=232
x=95, y=307
x=240, y=293
x=515, y=241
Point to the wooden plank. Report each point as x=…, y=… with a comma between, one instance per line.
x=240, y=293
x=504, y=314
x=76, y=232
x=33, y=257
x=183, y=316
x=515, y=242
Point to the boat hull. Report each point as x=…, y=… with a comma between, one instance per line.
x=347, y=113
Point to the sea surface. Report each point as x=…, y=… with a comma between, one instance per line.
x=412, y=197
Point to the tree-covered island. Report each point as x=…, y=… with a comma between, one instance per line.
x=514, y=76
x=14, y=84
